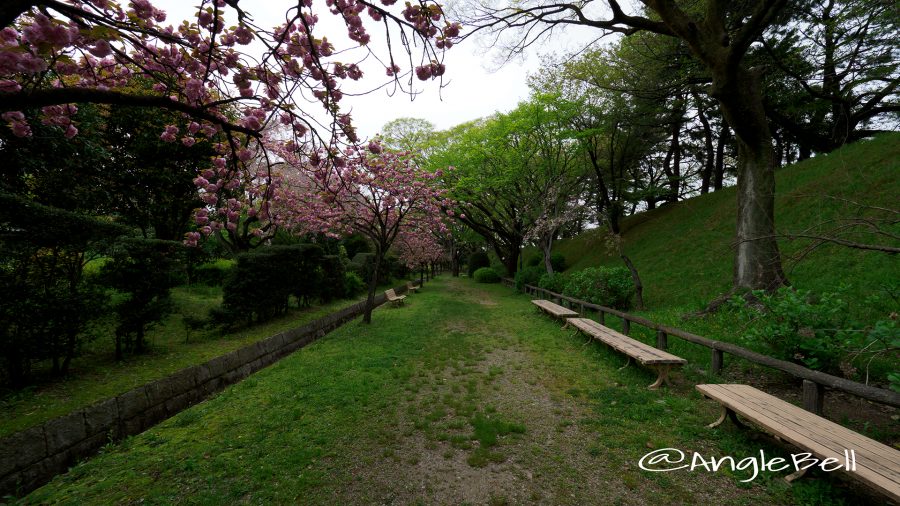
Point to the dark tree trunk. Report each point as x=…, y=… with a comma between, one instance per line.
x=638, y=285
x=710, y=160
x=373, y=283
x=757, y=263
x=139, y=339
x=546, y=244
x=724, y=139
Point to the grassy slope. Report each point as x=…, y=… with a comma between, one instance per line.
x=466, y=395
x=684, y=253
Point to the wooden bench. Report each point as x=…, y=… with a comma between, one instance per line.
x=876, y=464
x=659, y=360
x=393, y=298
x=553, y=309
x=411, y=287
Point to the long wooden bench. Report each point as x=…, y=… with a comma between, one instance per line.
x=411, y=288
x=554, y=309
x=659, y=360
x=393, y=298
x=876, y=464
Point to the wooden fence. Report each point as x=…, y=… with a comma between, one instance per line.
x=814, y=382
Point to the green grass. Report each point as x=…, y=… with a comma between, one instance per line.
x=95, y=375
x=465, y=395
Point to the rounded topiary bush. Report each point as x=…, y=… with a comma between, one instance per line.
x=486, y=275
x=478, y=260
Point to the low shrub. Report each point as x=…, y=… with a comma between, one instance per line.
x=815, y=330
x=534, y=260
x=529, y=276
x=486, y=275
x=606, y=286
x=213, y=273
x=558, y=262
x=555, y=282
x=353, y=284
x=477, y=260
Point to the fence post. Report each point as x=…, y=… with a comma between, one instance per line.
x=602, y=317
x=813, y=396
x=626, y=326
x=662, y=340
x=718, y=360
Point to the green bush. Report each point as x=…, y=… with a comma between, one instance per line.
x=331, y=274
x=534, y=260
x=477, y=260
x=353, y=284
x=262, y=281
x=606, y=286
x=486, y=275
x=529, y=276
x=140, y=269
x=214, y=273
x=814, y=330
x=555, y=282
x=558, y=262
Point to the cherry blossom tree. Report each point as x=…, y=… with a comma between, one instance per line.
x=419, y=248
x=55, y=54
x=368, y=190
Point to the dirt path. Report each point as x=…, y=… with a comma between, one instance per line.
x=553, y=455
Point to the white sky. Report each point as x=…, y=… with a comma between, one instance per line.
x=472, y=90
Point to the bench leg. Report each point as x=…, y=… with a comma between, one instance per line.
x=727, y=413
x=795, y=475
x=663, y=377
x=627, y=362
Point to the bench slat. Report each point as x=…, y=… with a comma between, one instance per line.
x=799, y=419
x=642, y=352
x=554, y=309
x=876, y=463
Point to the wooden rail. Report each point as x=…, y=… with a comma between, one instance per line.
x=814, y=382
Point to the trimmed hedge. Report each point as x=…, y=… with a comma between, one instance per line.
x=486, y=275
x=262, y=281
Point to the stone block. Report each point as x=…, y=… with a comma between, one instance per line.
x=21, y=449
x=102, y=417
x=64, y=432
x=132, y=403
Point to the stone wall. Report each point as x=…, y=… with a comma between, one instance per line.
x=30, y=458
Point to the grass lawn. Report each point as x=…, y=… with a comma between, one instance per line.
x=464, y=396
x=96, y=375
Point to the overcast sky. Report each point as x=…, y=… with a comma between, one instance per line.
x=474, y=86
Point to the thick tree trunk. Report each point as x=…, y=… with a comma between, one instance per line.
x=511, y=261
x=757, y=263
x=373, y=283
